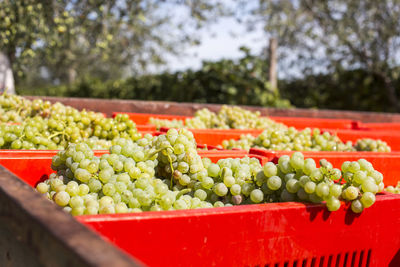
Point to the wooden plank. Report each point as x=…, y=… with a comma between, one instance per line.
x=188, y=109
x=35, y=232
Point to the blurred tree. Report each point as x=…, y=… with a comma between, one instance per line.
x=319, y=36
x=58, y=40
x=237, y=82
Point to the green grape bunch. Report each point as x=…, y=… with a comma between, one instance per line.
x=166, y=172
x=290, y=139
x=393, y=189
x=226, y=118
x=63, y=125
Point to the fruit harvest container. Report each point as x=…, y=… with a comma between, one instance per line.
x=145, y=128
x=390, y=126
x=297, y=122
x=35, y=166
x=216, y=137
x=301, y=123
x=279, y=234
x=386, y=163
x=26, y=153
x=392, y=138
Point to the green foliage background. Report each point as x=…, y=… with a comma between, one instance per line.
x=241, y=82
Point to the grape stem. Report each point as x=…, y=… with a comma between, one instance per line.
x=182, y=192
x=54, y=135
x=169, y=159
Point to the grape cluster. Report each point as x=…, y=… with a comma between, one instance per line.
x=368, y=144
x=166, y=123
x=300, y=179
x=16, y=109
x=166, y=173
x=290, y=139
x=226, y=118
x=393, y=189
x=66, y=125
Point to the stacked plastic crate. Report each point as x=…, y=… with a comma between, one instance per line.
x=278, y=234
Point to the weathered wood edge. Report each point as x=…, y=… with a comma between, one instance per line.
x=55, y=237
x=108, y=106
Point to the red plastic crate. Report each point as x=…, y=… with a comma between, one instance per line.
x=383, y=126
x=146, y=128
x=215, y=138
x=297, y=122
x=281, y=234
x=235, y=132
x=386, y=163
x=392, y=138
x=301, y=123
x=143, y=118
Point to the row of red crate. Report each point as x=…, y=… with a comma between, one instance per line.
x=346, y=130
x=216, y=137
x=386, y=163
x=281, y=234
x=142, y=120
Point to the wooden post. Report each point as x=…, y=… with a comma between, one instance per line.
x=273, y=44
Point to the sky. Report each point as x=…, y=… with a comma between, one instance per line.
x=220, y=40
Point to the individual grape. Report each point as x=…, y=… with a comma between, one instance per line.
x=180, y=204
x=200, y=194
x=107, y=209
x=207, y=183
x=256, y=196
x=360, y=176
x=297, y=160
x=367, y=199
x=322, y=190
x=292, y=186
x=91, y=210
x=82, y=175
x=335, y=190
x=213, y=170
x=309, y=166
x=316, y=175
x=274, y=183
x=77, y=211
x=310, y=187
x=357, y=206
x=42, y=188
x=235, y=189
x=351, y=193
x=333, y=204
x=229, y=181
x=83, y=189
x=61, y=198
x=94, y=185
x=76, y=201
x=220, y=189
x=270, y=169
x=121, y=208
x=106, y=201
